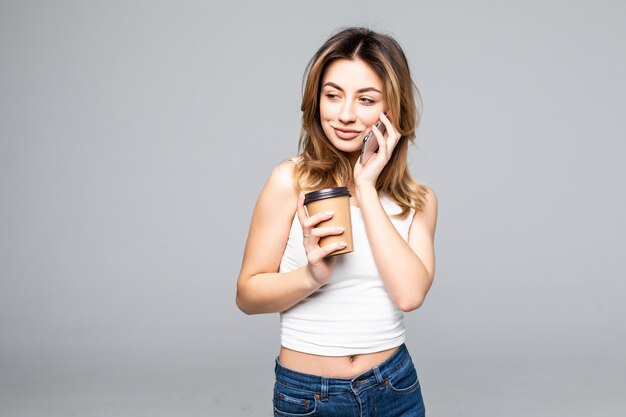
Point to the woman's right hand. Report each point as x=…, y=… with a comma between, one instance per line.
x=319, y=265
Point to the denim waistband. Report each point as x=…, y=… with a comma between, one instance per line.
x=323, y=385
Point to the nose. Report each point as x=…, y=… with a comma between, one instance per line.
x=347, y=115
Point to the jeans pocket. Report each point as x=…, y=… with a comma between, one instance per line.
x=405, y=380
x=290, y=402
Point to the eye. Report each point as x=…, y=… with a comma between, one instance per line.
x=332, y=96
x=367, y=101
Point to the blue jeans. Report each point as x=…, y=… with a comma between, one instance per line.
x=390, y=389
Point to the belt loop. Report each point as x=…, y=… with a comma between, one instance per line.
x=379, y=377
x=324, y=389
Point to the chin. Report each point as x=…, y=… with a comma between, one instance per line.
x=348, y=147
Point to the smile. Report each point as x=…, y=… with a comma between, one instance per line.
x=346, y=134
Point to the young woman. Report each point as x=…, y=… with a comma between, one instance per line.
x=342, y=337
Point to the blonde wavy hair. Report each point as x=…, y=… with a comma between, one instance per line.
x=320, y=164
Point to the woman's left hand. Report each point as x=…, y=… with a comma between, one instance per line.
x=366, y=175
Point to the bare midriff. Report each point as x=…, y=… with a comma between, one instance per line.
x=332, y=366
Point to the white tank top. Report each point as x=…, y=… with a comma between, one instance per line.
x=353, y=313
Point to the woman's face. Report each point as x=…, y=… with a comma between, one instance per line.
x=351, y=101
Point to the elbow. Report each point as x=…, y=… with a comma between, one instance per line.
x=242, y=306
x=410, y=304
x=248, y=299
x=414, y=299
x=242, y=303
x=246, y=307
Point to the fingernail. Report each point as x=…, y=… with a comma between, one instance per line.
x=328, y=213
x=342, y=244
x=339, y=229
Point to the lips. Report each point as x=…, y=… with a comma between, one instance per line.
x=346, y=134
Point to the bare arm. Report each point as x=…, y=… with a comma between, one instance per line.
x=407, y=268
x=260, y=287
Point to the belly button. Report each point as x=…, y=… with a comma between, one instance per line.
x=352, y=358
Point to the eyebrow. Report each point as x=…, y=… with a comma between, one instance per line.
x=361, y=90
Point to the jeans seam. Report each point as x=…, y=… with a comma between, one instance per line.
x=293, y=387
x=400, y=368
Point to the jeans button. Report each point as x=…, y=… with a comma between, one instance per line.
x=356, y=384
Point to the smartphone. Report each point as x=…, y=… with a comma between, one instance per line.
x=370, y=143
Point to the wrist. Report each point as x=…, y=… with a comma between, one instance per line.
x=311, y=284
x=364, y=190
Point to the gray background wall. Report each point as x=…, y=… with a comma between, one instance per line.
x=135, y=137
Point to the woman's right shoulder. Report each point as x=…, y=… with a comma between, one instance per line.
x=282, y=182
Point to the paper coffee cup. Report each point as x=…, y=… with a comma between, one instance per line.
x=337, y=200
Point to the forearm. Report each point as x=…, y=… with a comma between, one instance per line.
x=274, y=292
x=406, y=278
